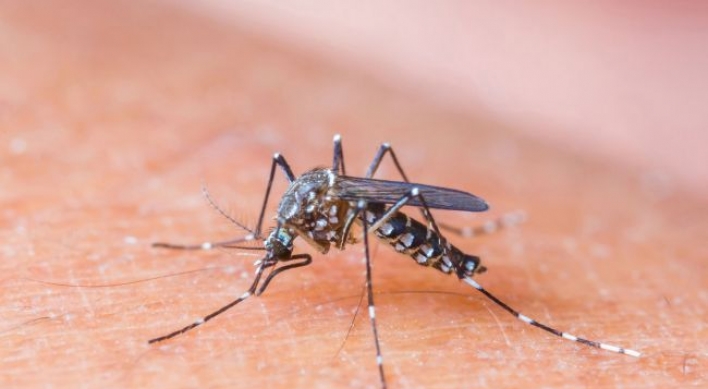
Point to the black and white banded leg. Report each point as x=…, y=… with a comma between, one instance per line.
x=468, y=279
x=278, y=160
x=546, y=328
x=261, y=266
x=361, y=209
x=244, y=296
x=256, y=288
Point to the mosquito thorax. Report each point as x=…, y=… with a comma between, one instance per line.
x=305, y=194
x=311, y=207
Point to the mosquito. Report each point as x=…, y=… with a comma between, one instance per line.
x=321, y=207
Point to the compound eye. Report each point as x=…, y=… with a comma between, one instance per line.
x=284, y=238
x=280, y=243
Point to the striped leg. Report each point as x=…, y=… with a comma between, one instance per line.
x=250, y=292
x=466, y=278
x=305, y=259
x=338, y=160
x=278, y=160
x=205, y=245
x=361, y=207
x=380, y=154
x=546, y=328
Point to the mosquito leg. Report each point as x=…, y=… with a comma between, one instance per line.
x=306, y=260
x=378, y=221
x=279, y=161
x=546, y=328
x=505, y=221
x=468, y=279
x=380, y=154
x=361, y=208
x=471, y=263
x=205, y=245
x=219, y=311
x=392, y=210
x=338, y=156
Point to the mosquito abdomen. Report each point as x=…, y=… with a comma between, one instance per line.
x=413, y=238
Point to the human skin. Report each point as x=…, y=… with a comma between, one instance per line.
x=112, y=122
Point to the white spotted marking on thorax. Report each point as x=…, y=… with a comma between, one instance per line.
x=320, y=224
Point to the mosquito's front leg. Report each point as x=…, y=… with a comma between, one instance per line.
x=250, y=292
x=361, y=213
x=338, y=159
x=278, y=160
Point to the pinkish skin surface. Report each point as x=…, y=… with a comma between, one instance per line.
x=113, y=115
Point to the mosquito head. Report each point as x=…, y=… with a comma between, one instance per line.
x=279, y=243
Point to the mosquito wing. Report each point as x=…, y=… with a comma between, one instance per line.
x=388, y=192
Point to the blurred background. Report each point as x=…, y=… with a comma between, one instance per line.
x=588, y=116
x=621, y=80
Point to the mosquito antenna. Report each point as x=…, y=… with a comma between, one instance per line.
x=214, y=205
x=546, y=328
